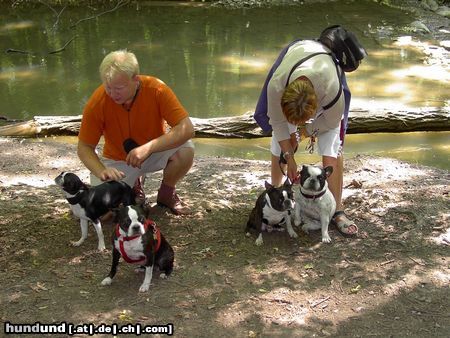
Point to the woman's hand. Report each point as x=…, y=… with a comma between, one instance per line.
x=291, y=169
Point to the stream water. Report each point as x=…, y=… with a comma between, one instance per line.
x=216, y=61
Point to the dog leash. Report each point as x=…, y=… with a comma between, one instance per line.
x=309, y=148
x=311, y=143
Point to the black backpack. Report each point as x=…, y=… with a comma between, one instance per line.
x=345, y=47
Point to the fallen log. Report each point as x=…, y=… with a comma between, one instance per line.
x=243, y=126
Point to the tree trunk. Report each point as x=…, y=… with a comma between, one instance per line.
x=244, y=126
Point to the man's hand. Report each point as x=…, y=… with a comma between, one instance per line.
x=138, y=155
x=111, y=174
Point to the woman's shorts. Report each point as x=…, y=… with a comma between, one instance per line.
x=329, y=143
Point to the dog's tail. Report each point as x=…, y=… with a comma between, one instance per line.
x=250, y=224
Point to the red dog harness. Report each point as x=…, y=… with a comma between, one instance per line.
x=149, y=224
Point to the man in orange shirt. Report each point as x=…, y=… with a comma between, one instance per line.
x=131, y=112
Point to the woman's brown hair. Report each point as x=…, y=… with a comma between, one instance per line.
x=299, y=101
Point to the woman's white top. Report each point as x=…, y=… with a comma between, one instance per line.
x=321, y=71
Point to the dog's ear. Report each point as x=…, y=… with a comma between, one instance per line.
x=328, y=171
x=147, y=211
x=268, y=185
x=287, y=182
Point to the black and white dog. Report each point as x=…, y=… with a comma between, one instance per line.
x=273, y=206
x=138, y=240
x=315, y=204
x=90, y=203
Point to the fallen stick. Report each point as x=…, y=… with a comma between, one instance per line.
x=387, y=262
x=419, y=263
x=320, y=301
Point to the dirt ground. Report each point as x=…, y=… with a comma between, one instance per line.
x=390, y=281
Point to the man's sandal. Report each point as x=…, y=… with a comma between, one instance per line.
x=344, y=225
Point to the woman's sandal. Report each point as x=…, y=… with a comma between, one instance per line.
x=343, y=224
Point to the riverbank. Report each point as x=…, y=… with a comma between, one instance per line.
x=393, y=277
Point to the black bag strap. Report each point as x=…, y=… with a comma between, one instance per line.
x=336, y=98
x=329, y=105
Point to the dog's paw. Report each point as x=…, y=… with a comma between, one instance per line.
x=305, y=228
x=293, y=234
x=139, y=269
x=144, y=287
x=101, y=248
x=163, y=275
x=259, y=240
x=77, y=243
x=326, y=239
x=107, y=281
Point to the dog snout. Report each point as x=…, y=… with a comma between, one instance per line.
x=288, y=204
x=59, y=180
x=313, y=184
x=136, y=229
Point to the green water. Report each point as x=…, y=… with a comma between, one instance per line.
x=214, y=59
x=430, y=149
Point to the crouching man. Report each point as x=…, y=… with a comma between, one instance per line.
x=132, y=112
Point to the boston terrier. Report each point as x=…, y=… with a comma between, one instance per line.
x=272, y=207
x=90, y=203
x=315, y=205
x=138, y=240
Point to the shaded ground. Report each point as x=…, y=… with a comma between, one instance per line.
x=391, y=281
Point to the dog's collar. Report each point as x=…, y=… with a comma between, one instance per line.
x=149, y=224
x=75, y=199
x=313, y=197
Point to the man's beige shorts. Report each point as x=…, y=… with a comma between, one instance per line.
x=155, y=162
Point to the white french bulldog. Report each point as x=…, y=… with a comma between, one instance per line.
x=315, y=205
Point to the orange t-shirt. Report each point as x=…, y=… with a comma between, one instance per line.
x=154, y=104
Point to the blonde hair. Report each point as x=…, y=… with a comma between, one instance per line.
x=119, y=61
x=299, y=101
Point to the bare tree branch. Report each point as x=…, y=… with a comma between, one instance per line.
x=57, y=18
x=119, y=4
x=18, y=51
x=46, y=4
x=63, y=47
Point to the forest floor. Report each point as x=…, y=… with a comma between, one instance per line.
x=391, y=281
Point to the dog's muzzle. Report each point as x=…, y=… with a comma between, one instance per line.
x=288, y=204
x=136, y=229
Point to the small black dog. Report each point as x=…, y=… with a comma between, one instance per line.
x=138, y=240
x=90, y=203
x=273, y=206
